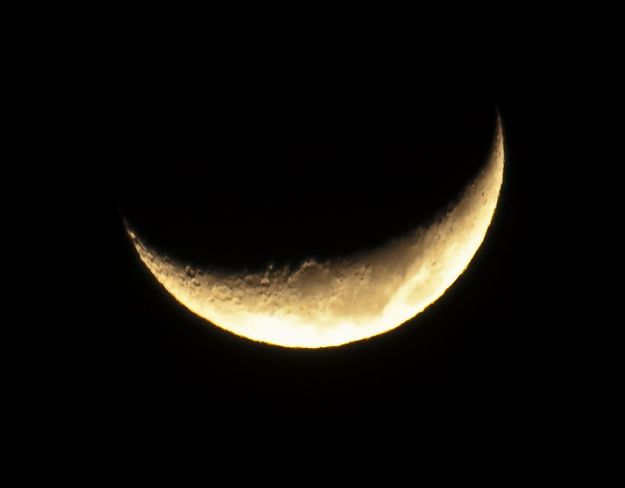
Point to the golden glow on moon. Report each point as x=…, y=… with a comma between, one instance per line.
x=331, y=303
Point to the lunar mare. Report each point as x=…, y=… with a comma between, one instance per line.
x=320, y=304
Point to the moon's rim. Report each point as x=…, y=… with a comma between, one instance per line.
x=496, y=155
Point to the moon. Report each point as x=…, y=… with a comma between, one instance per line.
x=331, y=303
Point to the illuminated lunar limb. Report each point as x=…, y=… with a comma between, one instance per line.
x=322, y=304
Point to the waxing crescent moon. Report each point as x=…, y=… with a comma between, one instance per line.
x=320, y=304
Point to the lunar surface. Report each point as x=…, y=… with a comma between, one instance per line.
x=321, y=304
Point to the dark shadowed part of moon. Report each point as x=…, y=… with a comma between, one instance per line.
x=224, y=162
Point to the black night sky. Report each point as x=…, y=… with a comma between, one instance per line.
x=250, y=137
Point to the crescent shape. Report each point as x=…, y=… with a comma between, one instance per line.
x=331, y=303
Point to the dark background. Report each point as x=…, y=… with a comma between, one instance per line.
x=253, y=136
